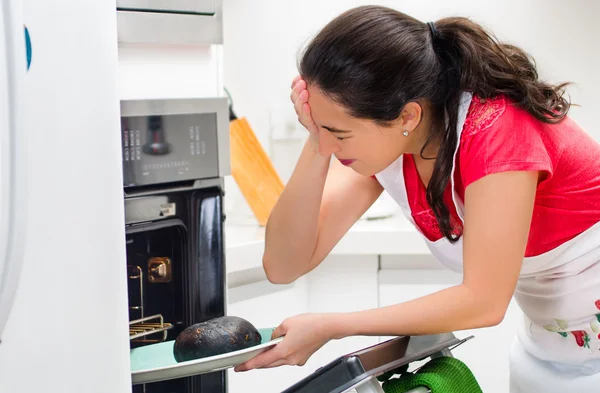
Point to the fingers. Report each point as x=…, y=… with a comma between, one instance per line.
x=298, y=88
x=306, y=110
x=299, y=97
x=277, y=363
x=279, y=331
x=296, y=79
x=306, y=119
x=268, y=357
x=286, y=362
x=300, y=101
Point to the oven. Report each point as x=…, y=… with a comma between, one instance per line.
x=175, y=155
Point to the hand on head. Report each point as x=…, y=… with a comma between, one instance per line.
x=299, y=97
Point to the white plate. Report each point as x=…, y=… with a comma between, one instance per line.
x=153, y=363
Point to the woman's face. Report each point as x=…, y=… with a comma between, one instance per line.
x=361, y=144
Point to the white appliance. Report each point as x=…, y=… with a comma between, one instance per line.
x=63, y=323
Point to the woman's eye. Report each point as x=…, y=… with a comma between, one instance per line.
x=340, y=139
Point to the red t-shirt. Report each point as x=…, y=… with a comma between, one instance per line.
x=498, y=136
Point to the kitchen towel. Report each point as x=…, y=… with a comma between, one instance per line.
x=440, y=375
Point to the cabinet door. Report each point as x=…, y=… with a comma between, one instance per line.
x=487, y=353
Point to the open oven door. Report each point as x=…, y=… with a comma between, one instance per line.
x=13, y=193
x=357, y=372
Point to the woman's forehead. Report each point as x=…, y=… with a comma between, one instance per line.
x=324, y=109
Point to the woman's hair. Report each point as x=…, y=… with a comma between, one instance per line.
x=373, y=60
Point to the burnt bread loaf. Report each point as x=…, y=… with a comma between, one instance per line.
x=214, y=337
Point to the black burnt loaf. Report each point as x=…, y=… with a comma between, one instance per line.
x=214, y=337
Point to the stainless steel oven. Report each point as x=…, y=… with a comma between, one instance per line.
x=175, y=154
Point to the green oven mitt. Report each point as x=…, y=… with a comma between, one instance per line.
x=440, y=375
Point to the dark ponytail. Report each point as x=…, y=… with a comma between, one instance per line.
x=373, y=60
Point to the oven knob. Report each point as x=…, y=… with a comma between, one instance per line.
x=159, y=270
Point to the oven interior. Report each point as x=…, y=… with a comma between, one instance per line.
x=155, y=257
x=175, y=274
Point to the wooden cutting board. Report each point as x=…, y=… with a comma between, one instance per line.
x=252, y=170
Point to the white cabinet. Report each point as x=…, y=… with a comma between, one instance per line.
x=487, y=353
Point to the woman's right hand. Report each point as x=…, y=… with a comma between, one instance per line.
x=299, y=97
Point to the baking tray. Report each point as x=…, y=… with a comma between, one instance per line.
x=153, y=363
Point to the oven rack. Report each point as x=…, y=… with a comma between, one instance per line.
x=144, y=327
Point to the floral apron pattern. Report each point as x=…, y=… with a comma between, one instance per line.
x=582, y=337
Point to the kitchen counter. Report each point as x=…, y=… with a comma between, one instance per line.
x=387, y=236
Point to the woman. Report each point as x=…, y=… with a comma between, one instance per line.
x=482, y=158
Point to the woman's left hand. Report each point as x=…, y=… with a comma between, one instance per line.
x=304, y=335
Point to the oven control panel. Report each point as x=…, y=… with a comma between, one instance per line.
x=160, y=148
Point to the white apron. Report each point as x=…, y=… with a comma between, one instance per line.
x=558, y=344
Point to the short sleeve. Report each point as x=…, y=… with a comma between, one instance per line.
x=499, y=137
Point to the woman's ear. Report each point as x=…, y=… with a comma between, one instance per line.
x=410, y=117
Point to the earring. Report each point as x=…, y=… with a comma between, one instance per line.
x=405, y=133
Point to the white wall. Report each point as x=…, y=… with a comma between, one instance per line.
x=263, y=37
